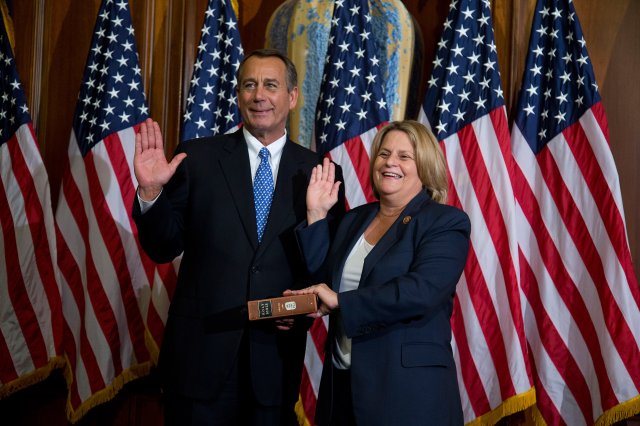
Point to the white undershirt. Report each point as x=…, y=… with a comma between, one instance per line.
x=351, y=275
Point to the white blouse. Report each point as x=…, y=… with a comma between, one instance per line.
x=350, y=280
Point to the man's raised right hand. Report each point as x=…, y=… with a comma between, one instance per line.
x=149, y=162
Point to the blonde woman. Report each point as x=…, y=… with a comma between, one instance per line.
x=388, y=280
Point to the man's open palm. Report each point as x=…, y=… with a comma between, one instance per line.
x=149, y=162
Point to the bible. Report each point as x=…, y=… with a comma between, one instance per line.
x=284, y=306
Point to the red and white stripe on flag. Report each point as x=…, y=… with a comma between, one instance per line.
x=114, y=299
x=312, y=371
x=30, y=306
x=582, y=304
x=109, y=286
x=464, y=106
x=353, y=157
x=488, y=333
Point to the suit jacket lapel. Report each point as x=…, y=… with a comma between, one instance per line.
x=237, y=172
x=394, y=234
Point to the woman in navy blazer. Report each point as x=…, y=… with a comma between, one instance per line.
x=388, y=278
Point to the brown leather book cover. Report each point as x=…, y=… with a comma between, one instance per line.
x=284, y=306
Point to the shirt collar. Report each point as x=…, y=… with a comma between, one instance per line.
x=254, y=145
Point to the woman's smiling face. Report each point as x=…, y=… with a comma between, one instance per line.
x=395, y=171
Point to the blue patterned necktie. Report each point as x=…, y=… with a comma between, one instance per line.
x=263, y=191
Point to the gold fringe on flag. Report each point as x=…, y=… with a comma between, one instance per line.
x=106, y=394
x=620, y=412
x=8, y=23
x=31, y=378
x=508, y=407
x=533, y=417
x=300, y=414
x=152, y=346
x=234, y=5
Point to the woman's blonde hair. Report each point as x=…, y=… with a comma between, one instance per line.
x=430, y=162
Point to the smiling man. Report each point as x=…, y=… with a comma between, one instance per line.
x=267, y=91
x=229, y=203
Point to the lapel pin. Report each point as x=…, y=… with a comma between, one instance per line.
x=406, y=219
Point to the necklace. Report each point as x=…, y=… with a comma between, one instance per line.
x=389, y=215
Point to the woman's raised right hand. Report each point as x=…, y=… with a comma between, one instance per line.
x=322, y=192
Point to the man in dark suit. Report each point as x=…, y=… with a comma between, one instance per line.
x=216, y=367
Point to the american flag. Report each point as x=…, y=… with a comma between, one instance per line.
x=30, y=306
x=581, y=297
x=464, y=105
x=212, y=107
x=352, y=105
x=350, y=110
x=107, y=280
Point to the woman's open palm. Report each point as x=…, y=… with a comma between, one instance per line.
x=322, y=192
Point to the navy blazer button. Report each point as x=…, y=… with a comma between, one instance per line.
x=406, y=219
